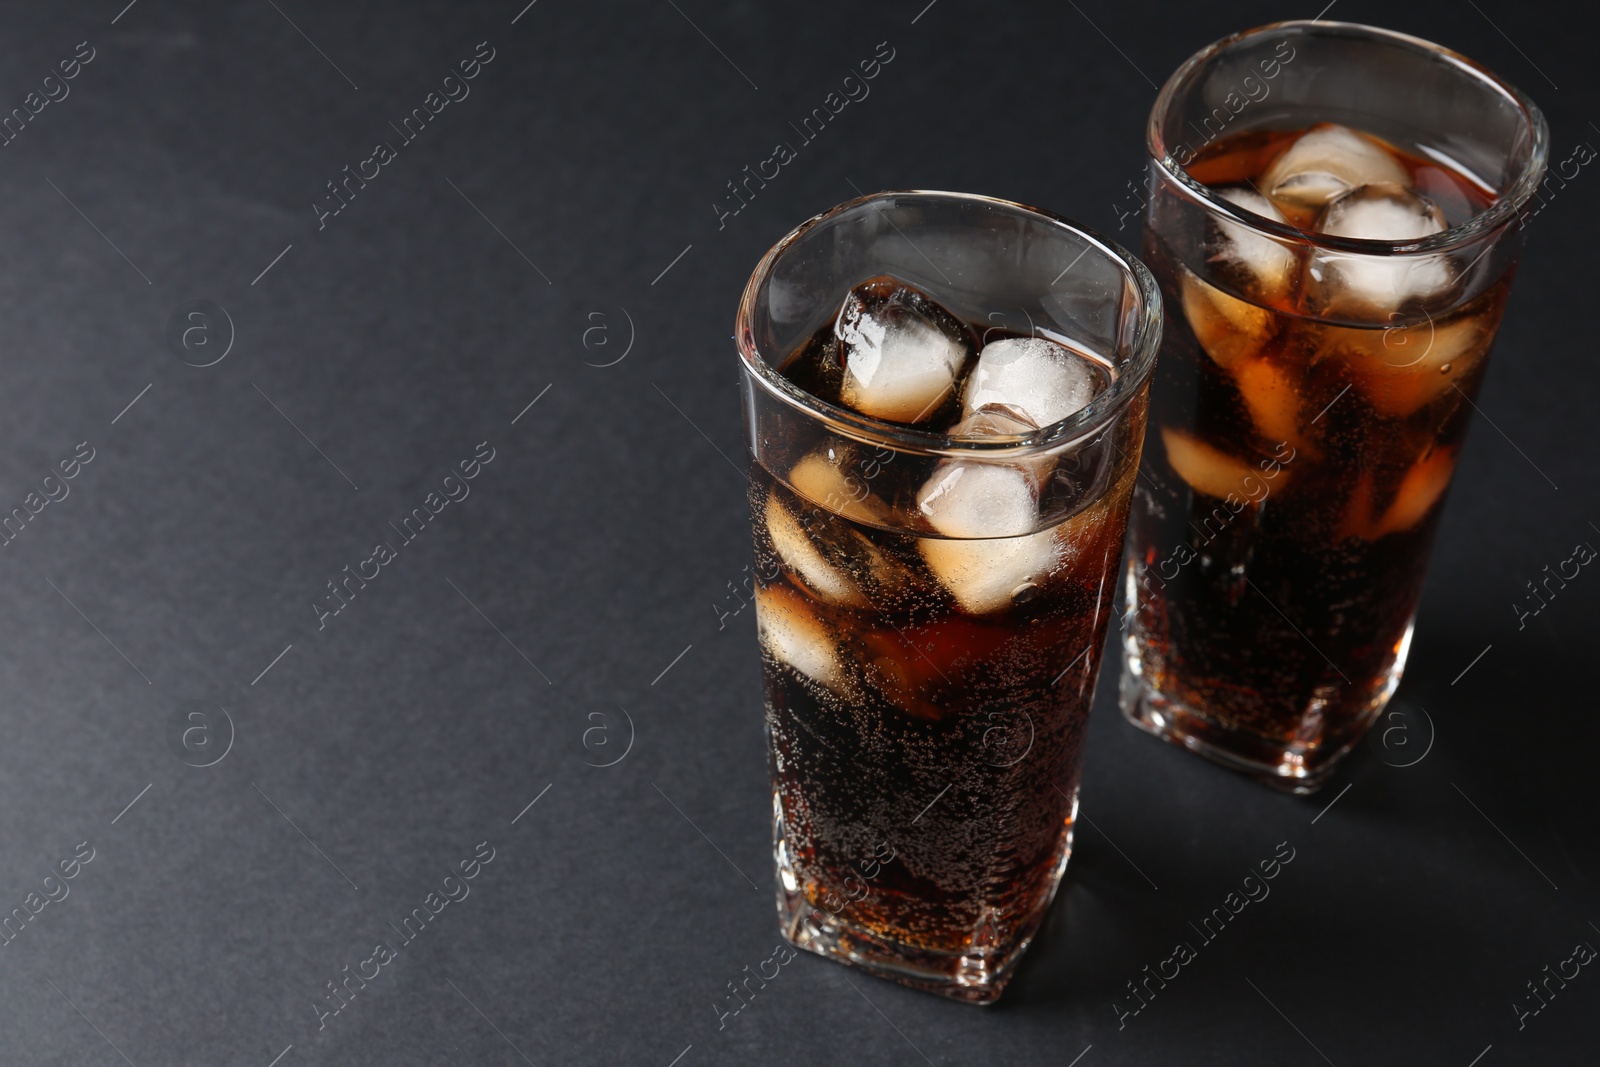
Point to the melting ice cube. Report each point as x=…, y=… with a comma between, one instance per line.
x=1384, y=212
x=1419, y=490
x=1209, y=470
x=833, y=478
x=901, y=351
x=987, y=510
x=1404, y=367
x=984, y=576
x=1266, y=267
x=992, y=420
x=1004, y=419
x=795, y=636
x=1229, y=329
x=966, y=498
x=831, y=584
x=1040, y=380
x=1328, y=160
x=1376, y=283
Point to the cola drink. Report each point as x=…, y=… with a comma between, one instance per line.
x=933, y=594
x=1325, y=340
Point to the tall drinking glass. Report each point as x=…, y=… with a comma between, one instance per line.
x=935, y=576
x=1335, y=214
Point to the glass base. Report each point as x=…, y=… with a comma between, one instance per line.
x=1283, y=765
x=976, y=976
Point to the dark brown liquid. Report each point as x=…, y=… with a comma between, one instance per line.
x=1296, y=471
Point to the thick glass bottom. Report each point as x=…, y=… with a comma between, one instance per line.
x=976, y=975
x=1290, y=766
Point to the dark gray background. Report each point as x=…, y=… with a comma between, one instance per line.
x=601, y=541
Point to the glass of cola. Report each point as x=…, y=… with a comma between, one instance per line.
x=945, y=400
x=1335, y=214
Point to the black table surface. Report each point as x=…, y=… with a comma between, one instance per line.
x=549, y=683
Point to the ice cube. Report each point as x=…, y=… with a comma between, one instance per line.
x=1003, y=419
x=988, y=509
x=1229, y=329
x=795, y=636
x=1326, y=161
x=1209, y=470
x=1382, y=211
x=901, y=351
x=969, y=498
x=1420, y=489
x=991, y=420
x=1037, y=379
x=841, y=480
x=1406, y=366
x=1374, y=283
x=832, y=478
x=1272, y=396
x=1266, y=267
x=984, y=576
x=800, y=554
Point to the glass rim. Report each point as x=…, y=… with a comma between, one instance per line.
x=1504, y=208
x=1129, y=376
